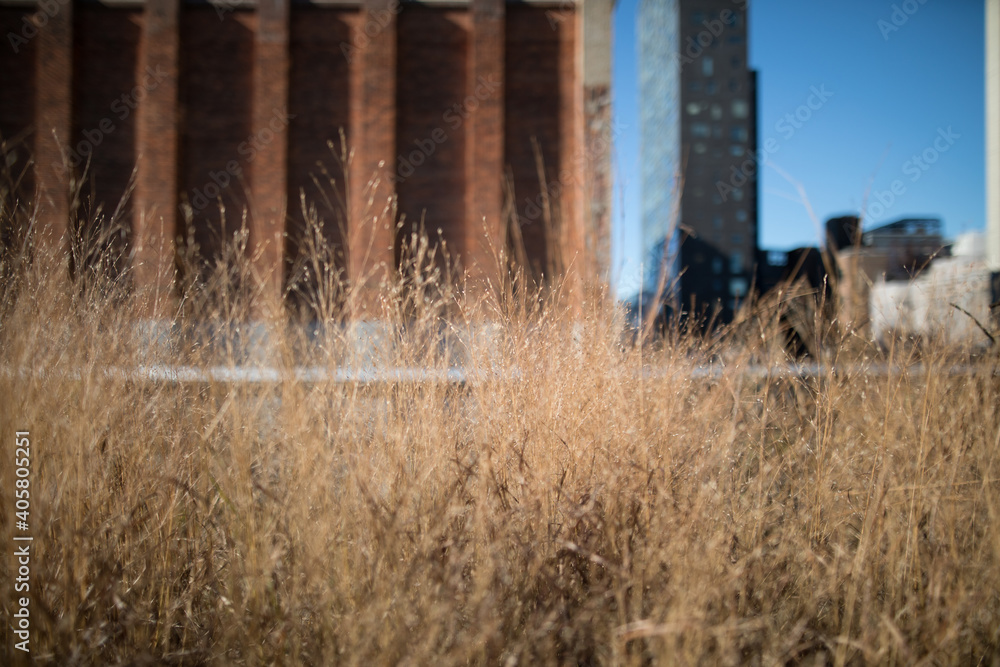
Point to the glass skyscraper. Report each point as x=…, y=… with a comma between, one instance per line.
x=699, y=167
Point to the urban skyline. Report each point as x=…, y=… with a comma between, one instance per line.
x=880, y=102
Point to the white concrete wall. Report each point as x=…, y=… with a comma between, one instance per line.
x=923, y=306
x=993, y=134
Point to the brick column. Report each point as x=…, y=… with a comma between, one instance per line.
x=53, y=105
x=371, y=227
x=571, y=156
x=155, y=223
x=269, y=169
x=484, y=144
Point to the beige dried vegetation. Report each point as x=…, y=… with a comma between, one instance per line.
x=578, y=499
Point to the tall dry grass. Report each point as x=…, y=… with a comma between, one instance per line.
x=578, y=499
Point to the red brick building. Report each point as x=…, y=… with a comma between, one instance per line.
x=458, y=108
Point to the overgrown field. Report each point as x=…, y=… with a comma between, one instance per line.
x=578, y=499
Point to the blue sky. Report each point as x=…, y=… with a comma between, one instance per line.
x=895, y=95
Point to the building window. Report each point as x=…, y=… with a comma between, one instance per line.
x=699, y=148
x=707, y=65
x=716, y=265
x=711, y=87
x=693, y=108
x=717, y=221
x=734, y=86
x=716, y=198
x=737, y=194
x=699, y=192
x=738, y=287
x=697, y=18
x=738, y=133
x=735, y=39
x=736, y=62
x=736, y=262
x=740, y=109
x=737, y=239
x=736, y=150
x=694, y=85
x=700, y=130
x=717, y=131
x=741, y=215
x=716, y=112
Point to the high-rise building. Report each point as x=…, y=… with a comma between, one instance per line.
x=698, y=99
x=659, y=85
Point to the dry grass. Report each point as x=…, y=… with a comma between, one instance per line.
x=578, y=500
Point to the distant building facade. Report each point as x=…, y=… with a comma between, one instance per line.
x=896, y=251
x=911, y=250
x=947, y=301
x=660, y=126
x=488, y=119
x=698, y=99
x=993, y=149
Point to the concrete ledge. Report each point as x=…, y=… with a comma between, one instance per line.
x=266, y=375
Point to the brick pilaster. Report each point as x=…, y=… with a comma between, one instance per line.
x=484, y=146
x=371, y=228
x=155, y=226
x=269, y=170
x=572, y=159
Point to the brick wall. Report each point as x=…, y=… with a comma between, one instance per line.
x=532, y=113
x=17, y=109
x=216, y=145
x=468, y=92
x=431, y=124
x=103, y=146
x=319, y=96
